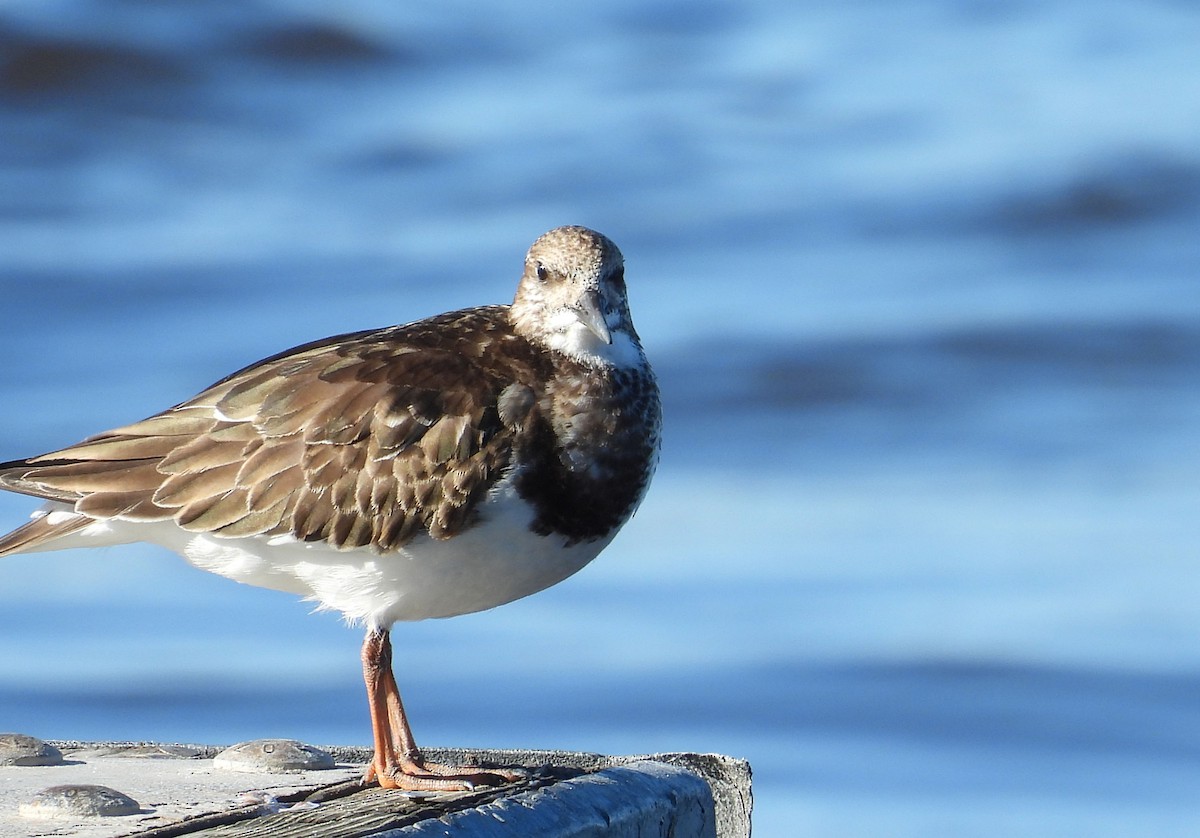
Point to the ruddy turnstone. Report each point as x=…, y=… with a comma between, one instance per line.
x=428, y=470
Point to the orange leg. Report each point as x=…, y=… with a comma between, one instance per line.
x=398, y=763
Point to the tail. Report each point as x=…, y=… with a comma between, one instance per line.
x=48, y=524
x=47, y=527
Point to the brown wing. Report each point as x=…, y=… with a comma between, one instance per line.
x=363, y=441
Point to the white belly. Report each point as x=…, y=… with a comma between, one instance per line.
x=496, y=561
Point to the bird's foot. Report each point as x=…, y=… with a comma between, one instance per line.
x=414, y=773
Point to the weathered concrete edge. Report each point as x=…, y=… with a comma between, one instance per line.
x=639, y=799
x=729, y=778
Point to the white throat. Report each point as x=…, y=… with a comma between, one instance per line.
x=570, y=337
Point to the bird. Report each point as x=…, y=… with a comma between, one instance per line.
x=433, y=469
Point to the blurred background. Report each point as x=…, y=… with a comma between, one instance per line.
x=921, y=281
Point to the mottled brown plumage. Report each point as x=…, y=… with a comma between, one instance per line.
x=365, y=440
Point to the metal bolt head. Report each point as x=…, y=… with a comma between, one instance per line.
x=19, y=749
x=273, y=756
x=73, y=801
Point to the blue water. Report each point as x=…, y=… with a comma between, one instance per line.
x=922, y=284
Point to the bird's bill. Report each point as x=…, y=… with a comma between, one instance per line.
x=590, y=314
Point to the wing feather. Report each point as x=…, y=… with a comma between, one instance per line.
x=363, y=440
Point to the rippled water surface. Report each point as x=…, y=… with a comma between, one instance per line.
x=921, y=281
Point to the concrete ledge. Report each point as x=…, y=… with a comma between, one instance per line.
x=641, y=800
x=728, y=778
x=181, y=792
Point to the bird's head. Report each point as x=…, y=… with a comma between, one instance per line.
x=572, y=298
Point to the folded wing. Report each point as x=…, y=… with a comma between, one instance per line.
x=362, y=442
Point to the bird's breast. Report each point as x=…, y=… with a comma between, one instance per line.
x=499, y=559
x=586, y=460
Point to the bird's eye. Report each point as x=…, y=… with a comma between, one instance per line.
x=543, y=273
x=618, y=279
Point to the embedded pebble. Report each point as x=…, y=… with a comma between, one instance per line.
x=75, y=801
x=276, y=756
x=19, y=749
